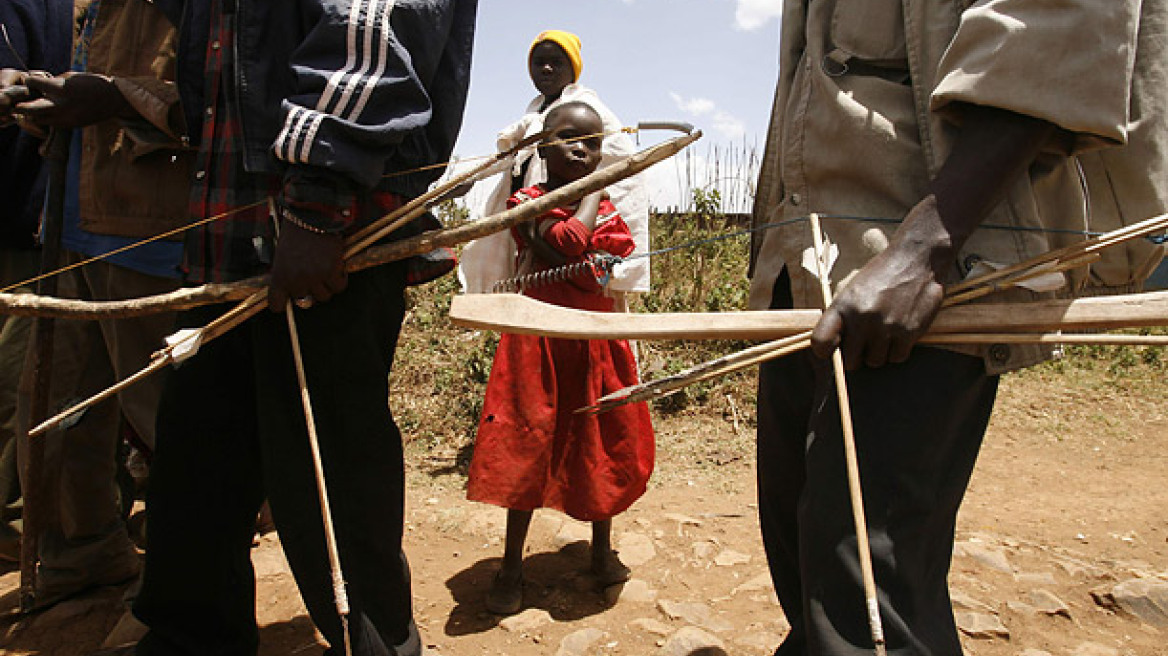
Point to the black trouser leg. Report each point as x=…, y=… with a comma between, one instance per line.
x=347, y=358
x=252, y=423
x=918, y=430
x=198, y=590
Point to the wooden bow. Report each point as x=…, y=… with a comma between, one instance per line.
x=360, y=257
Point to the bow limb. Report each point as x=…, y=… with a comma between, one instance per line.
x=381, y=228
x=569, y=193
x=514, y=313
x=180, y=299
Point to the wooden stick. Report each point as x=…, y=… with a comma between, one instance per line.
x=383, y=227
x=32, y=472
x=719, y=367
x=1098, y=339
x=1094, y=244
x=180, y=299
x=156, y=364
x=734, y=362
x=864, y=550
x=340, y=596
x=956, y=298
x=569, y=193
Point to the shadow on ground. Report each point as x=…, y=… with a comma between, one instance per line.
x=78, y=626
x=557, y=582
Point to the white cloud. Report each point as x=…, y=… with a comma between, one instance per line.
x=753, y=14
x=693, y=106
x=727, y=124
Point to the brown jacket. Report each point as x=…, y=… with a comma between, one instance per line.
x=135, y=175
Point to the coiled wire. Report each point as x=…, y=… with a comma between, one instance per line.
x=598, y=265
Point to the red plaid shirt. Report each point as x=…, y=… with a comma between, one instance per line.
x=241, y=243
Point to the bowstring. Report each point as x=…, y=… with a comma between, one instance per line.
x=123, y=249
x=477, y=158
x=1155, y=239
x=12, y=48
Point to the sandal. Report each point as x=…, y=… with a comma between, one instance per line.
x=610, y=570
x=506, y=595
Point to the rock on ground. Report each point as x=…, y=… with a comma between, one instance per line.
x=693, y=613
x=689, y=641
x=636, y=549
x=980, y=625
x=991, y=557
x=527, y=621
x=1144, y=598
x=579, y=642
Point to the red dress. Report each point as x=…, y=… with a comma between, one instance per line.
x=532, y=450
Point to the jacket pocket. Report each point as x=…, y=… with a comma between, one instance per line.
x=871, y=31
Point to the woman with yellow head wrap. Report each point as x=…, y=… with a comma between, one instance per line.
x=548, y=55
x=555, y=62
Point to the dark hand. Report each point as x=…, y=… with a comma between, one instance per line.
x=891, y=302
x=307, y=265
x=75, y=100
x=12, y=91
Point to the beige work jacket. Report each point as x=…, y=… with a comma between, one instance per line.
x=864, y=117
x=1129, y=184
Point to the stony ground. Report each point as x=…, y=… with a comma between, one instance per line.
x=1063, y=549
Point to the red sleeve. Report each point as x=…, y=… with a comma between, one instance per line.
x=512, y=203
x=612, y=236
x=567, y=235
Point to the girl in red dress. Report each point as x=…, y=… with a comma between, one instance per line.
x=532, y=450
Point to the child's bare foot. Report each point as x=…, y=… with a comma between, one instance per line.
x=506, y=594
x=608, y=568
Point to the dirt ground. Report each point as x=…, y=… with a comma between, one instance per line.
x=1069, y=498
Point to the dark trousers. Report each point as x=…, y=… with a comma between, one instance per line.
x=918, y=427
x=231, y=432
x=84, y=540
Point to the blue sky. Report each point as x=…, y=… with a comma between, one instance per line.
x=713, y=63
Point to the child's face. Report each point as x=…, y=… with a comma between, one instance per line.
x=550, y=69
x=574, y=142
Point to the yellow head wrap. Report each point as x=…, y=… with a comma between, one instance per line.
x=570, y=44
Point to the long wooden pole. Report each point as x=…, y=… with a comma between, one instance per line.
x=340, y=596
x=729, y=364
x=863, y=548
x=32, y=472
